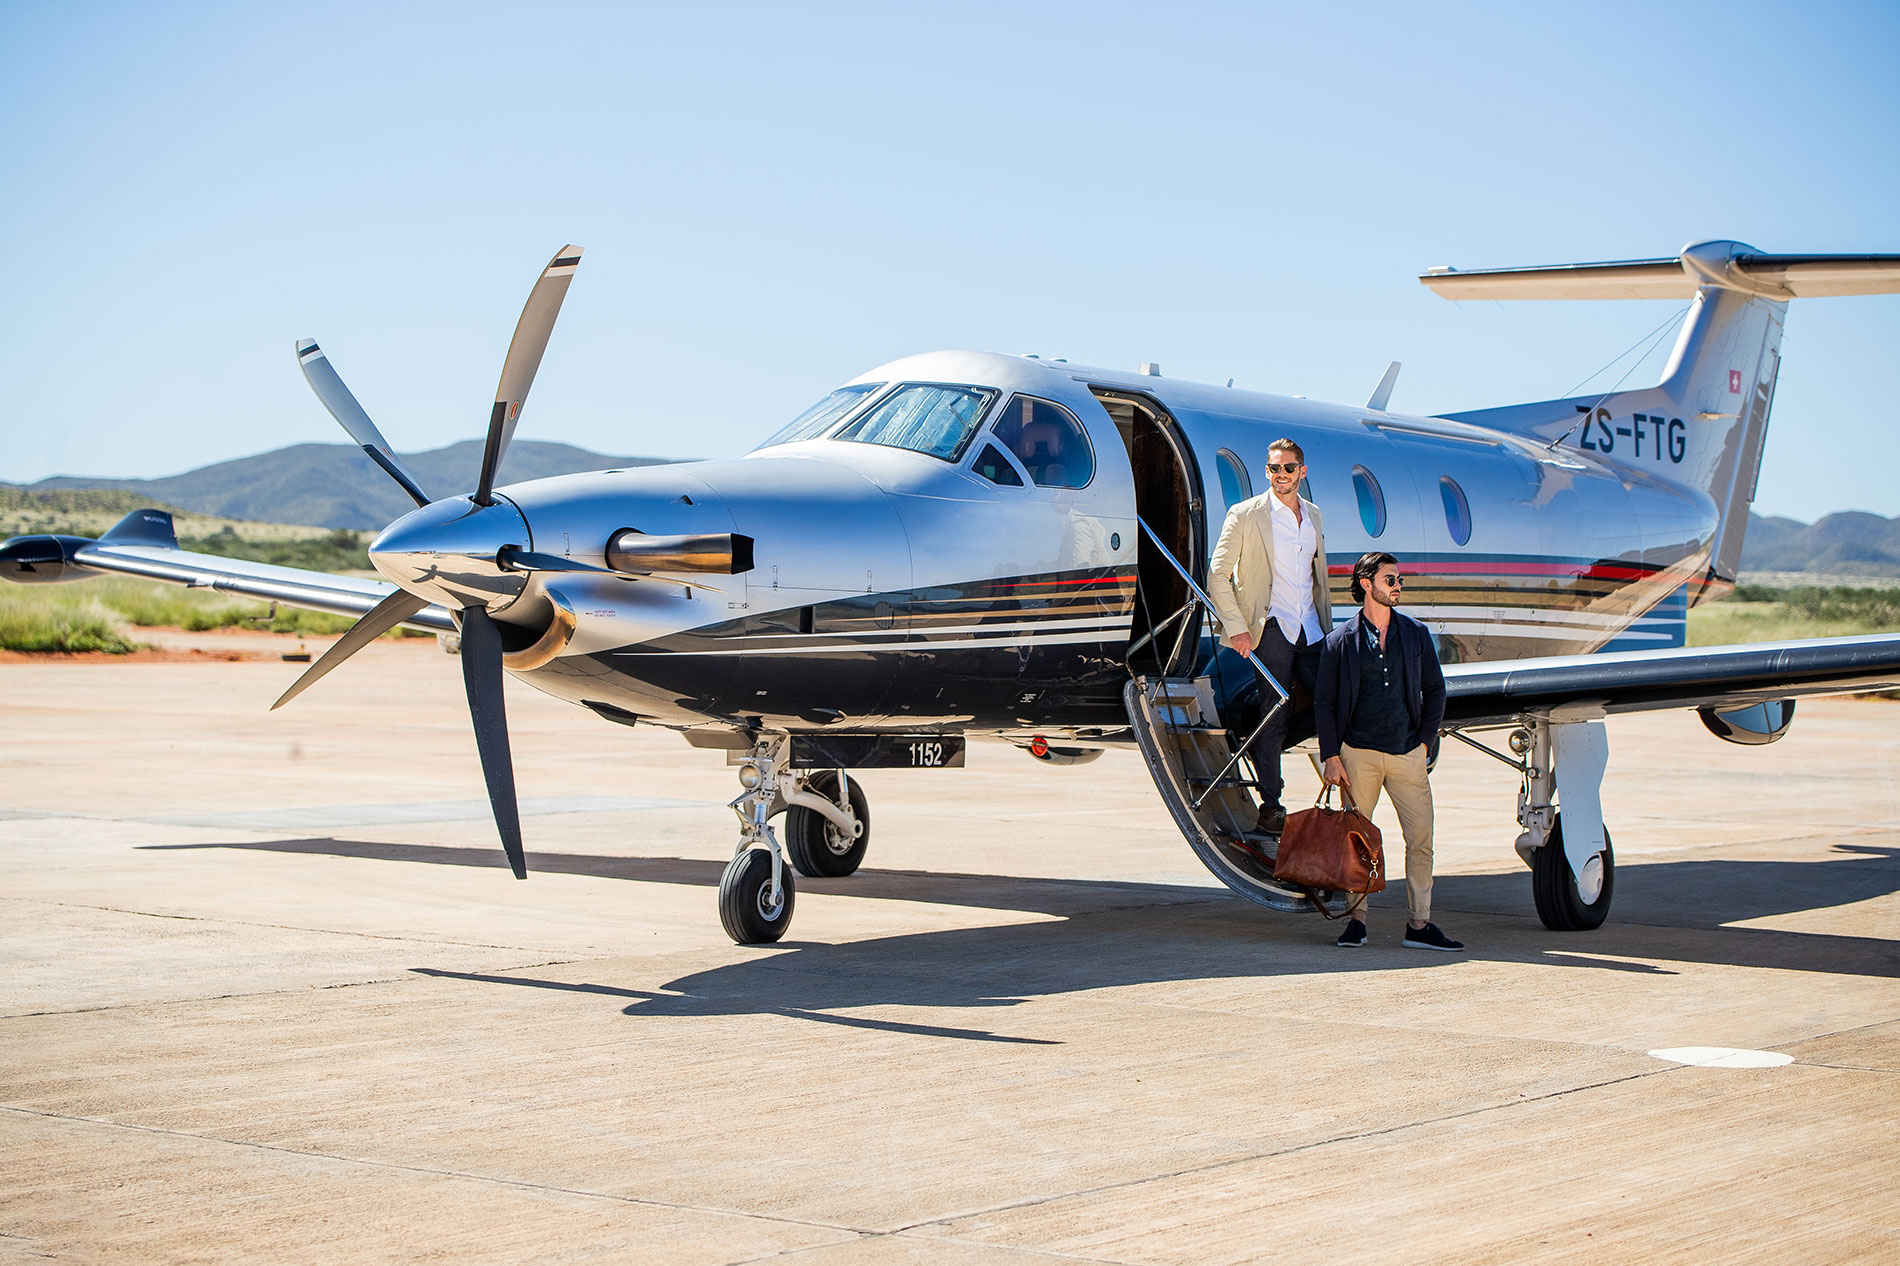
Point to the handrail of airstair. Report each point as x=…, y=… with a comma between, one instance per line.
x=1134, y=647
x=1268, y=677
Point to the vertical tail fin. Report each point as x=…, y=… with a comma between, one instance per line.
x=1703, y=426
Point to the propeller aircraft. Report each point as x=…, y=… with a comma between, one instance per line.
x=968, y=545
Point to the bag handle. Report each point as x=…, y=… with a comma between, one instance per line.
x=1325, y=799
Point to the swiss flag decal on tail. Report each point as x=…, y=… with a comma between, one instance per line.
x=1735, y=382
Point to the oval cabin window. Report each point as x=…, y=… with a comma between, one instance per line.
x=1365, y=488
x=1457, y=509
x=1234, y=483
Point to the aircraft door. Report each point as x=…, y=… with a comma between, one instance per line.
x=1168, y=497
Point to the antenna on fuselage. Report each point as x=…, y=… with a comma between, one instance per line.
x=1384, y=392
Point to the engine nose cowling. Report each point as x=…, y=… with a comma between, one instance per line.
x=447, y=552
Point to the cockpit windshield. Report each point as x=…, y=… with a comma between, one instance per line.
x=818, y=419
x=925, y=417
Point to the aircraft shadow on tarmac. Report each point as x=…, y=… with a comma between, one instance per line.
x=1107, y=933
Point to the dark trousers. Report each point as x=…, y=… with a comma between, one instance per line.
x=1291, y=663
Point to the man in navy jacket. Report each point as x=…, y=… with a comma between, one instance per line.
x=1378, y=705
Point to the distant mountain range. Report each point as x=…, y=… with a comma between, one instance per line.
x=1850, y=543
x=336, y=486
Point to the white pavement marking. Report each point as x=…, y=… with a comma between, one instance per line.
x=1722, y=1057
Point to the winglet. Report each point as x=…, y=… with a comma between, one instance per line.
x=143, y=527
x=1384, y=393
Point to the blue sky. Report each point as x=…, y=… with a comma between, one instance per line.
x=775, y=197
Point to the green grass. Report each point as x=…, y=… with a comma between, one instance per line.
x=1756, y=613
x=83, y=625
x=149, y=605
x=72, y=616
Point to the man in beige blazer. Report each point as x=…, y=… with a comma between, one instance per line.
x=1268, y=582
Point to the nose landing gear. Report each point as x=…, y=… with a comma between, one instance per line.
x=756, y=894
x=827, y=829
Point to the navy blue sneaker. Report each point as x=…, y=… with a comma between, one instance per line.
x=1353, y=937
x=1429, y=937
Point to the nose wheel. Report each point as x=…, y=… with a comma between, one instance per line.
x=754, y=905
x=756, y=893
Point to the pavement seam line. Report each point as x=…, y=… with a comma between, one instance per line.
x=463, y=1175
x=408, y=975
x=1216, y=1166
x=790, y=1254
x=1822, y=1037
x=275, y=927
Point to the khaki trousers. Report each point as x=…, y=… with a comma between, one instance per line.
x=1403, y=777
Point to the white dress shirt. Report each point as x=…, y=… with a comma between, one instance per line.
x=1294, y=545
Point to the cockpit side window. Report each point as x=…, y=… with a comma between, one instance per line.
x=818, y=419
x=925, y=417
x=996, y=468
x=1049, y=442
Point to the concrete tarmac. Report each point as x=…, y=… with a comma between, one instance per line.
x=268, y=993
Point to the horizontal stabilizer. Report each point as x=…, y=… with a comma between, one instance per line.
x=1728, y=265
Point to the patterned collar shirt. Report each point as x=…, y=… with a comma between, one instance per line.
x=1294, y=545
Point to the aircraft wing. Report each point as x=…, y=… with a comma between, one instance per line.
x=144, y=544
x=1718, y=677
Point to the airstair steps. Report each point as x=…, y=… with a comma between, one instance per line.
x=1188, y=752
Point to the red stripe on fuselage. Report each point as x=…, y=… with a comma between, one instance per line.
x=1572, y=571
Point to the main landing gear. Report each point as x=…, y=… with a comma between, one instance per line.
x=1572, y=880
x=1562, y=755
x=827, y=828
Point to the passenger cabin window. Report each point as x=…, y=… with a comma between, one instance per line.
x=818, y=419
x=1365, y=487
x=1234, y=483
x=924, y=417
x=995, y=467
x=1457, y=509
x=1048, y=441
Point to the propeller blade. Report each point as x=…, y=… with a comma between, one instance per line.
x=382, y=617
x=323, y=379
x=524, y=358
x=481, y=676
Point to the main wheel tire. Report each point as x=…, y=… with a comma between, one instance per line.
x=1559, y=904
x=751, y=915
x=819, y=850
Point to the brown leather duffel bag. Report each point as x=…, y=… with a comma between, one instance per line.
x=1323, y=848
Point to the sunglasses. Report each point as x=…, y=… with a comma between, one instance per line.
x=1391, y=582
x=1275, y=468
